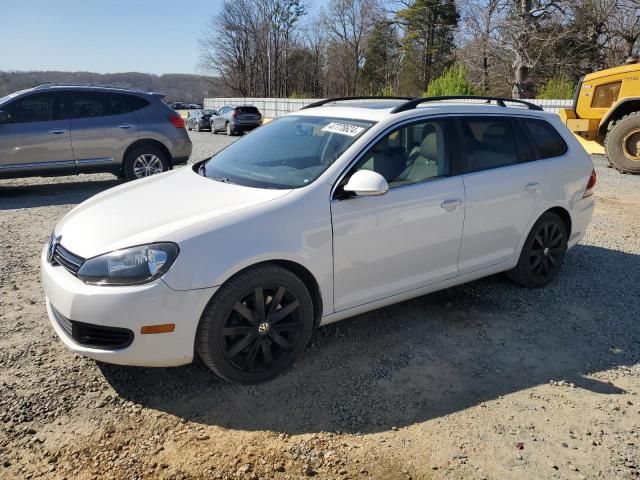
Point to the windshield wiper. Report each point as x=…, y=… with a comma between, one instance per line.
x=221, y=179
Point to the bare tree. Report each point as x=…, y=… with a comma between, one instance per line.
x=348, y=24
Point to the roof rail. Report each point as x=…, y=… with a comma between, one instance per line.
x=500, y=101
x=99, y=85
x=344, y=99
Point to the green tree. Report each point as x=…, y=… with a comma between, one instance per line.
x=380, y=59
x=452, y=82
x=559, y=86
x=428, y=42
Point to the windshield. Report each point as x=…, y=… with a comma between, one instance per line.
x=289, y=152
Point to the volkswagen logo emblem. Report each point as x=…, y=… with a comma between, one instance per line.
x=263, y=328
x=53, y=244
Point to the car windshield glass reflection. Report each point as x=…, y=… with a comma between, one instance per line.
x=289, y=152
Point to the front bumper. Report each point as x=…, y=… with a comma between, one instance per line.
x=126, y=307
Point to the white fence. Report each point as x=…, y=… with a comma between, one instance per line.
x=274, y=107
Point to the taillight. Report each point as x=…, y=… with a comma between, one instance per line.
x=177, y=120
x=234, y=114
x=590, y=184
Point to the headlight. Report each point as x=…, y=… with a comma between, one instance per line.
x=129, y=266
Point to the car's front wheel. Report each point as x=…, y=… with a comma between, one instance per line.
x=542, y=254
x=145, y=161
x=256, y=325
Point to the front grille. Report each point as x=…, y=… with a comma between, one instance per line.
x=63, y=257
x=96, y=336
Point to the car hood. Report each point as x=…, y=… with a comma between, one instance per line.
x=149, y=210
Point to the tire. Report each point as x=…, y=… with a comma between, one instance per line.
x=144, y=161
x=542, y=254
x=229, y=130
x=622, y=144
x=238, y=343
x=213, y=130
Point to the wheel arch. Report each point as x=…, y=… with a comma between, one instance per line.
x=564, y=215
x=617, y=111
x=302, y=273
x=152, y=142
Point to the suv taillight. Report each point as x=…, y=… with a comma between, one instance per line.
x=177, y=120
x=590, y=184
x=234, y=114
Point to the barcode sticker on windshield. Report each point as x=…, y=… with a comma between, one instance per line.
x=343, y=129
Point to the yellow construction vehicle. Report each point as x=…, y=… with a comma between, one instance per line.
x=606, y=109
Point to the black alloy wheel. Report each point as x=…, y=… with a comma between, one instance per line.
x=262, y=328
x=542, y=254
x=256, y=325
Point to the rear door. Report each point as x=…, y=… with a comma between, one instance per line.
x=502, y=188
x=103, y=125
x=35, y=137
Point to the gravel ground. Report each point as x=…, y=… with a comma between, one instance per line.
x=485, y=380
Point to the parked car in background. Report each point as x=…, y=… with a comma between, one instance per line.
x=196, y=106
x=200, y=120
x=179, y=106
x=357, y=206
x=71, y=129
x=236, y=119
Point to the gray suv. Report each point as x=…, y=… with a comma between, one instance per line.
x=235, y=119
x=67, y=129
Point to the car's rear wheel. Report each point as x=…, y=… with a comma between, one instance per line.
x=145, y=161
x=229, y=130
x=256, y=325
x=542, y=254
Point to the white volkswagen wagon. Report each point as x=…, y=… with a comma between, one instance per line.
x=322, y=214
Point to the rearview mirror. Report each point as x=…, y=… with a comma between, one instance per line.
x=367, y=183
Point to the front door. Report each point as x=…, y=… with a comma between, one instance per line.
x=408, y=237
x=34, y=137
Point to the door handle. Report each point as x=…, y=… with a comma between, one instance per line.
x=57, y=132
x=124, y=125
x=532, y=187
x=451, y=205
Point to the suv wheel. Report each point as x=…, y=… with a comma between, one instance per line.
x=256, y=325
x=542, y=254
x=229, y=130
x=145, y=161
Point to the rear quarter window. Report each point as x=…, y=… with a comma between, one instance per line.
x=546, y=140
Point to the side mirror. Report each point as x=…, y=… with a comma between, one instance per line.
x=367, y=183
x=4, y=117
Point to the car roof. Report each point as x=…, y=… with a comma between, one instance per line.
x=379, y=111
x=97, y=88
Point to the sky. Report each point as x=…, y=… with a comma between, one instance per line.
x=104, y=36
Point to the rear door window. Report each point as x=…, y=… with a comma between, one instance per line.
x=488, y=142
x=100, y=104
x=546, y=139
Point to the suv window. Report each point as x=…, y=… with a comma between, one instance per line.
x=410, y=154
x=38, y=107
x=247, y=110
x=99, y=104
x=546, y=139
x=489, y=142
